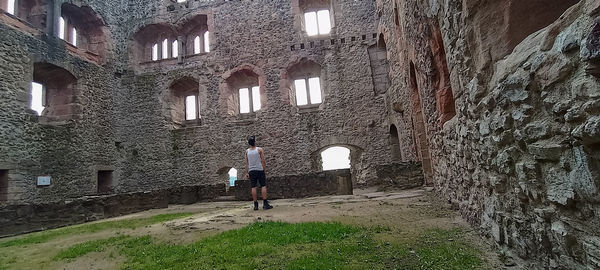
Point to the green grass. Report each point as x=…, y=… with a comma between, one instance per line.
x=45, y=236
x=277, y=245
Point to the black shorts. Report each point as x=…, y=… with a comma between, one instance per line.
x=258, y=176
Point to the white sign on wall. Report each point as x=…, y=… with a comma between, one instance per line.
x=43, y=180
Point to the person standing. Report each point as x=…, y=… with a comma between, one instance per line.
x=255, y=171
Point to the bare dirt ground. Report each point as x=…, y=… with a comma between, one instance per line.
x=404, y=212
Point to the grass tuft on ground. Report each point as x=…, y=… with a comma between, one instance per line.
x=45, y=236
x=277, y=245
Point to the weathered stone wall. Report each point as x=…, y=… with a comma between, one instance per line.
x=335, y=182
x=23, y=218
x=519, y=159
x=124, y=125
x=400, y=175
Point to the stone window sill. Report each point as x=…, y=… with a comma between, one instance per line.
x=159, y=62
x=309, y=108
x=189, y=124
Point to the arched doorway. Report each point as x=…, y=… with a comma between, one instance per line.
x=232, y=176
x=335, y=158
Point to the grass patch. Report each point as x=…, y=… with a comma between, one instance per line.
x=45, y=236
x=277, y=245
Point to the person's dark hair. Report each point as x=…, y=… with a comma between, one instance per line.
x=252, y=141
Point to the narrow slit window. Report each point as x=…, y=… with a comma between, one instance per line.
x=3, y=185
x=11, y=7
x=175, y=49
x=74, y=37
x=155, y=52
x=206, y=41
x=37, y=97
x=256, y=106
x=61, y=28
x=165, y=49
x=197, y=45
x=191, y=108
x=244, y=100
x=301, y=96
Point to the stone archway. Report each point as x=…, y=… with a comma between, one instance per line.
x=355, y=156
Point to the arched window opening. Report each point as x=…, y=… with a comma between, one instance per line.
x=53, y=92
x=244, y=94
x=185, y=101
x=83, y=28
x=175, y=49
x=306, y=86
x=232, y=176
x=165, y=48
x=195, y=30
x=335, y=158
x=395, y=144
x=317, y=17
x=206, y=41
x=380, y=67
x=154, y=42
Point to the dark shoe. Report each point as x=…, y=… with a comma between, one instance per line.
x=266, y=205
x=255, y=205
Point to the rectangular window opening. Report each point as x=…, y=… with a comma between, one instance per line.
x=165, y=49
x=74, y=37
x=38, y=97
x=301, y=94
x=310, y=21
x=244, y=100
x=154, y=52
x=314, y=84
x=256, y=102
x=11, y=7
x=61, y=28
x=206, y=41
x=324, y=22
x=191, y=108
x=3, y=185
x=105, y=181
x=197, y=49
x=175, y=49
